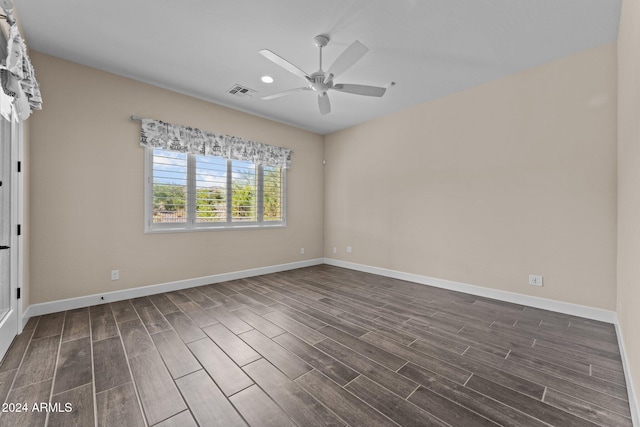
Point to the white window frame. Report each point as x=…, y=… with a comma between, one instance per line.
x=191, y=224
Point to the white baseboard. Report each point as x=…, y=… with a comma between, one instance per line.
x=89, y=300
x=531, y=301
x=631, y=392
x=542, y=303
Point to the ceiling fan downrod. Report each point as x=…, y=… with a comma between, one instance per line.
x=321, y=41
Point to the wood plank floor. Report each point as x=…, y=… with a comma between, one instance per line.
x=319, y=346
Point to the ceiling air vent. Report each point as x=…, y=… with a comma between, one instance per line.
x=241, y=91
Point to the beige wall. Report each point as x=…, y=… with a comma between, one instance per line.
x=629, y=184
x=494, y=183
x=86, y=192
x=489, y=185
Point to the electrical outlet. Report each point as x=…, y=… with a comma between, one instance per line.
x=335, y=250
x=302, y=251
x=349, y=249
x=115, y=274
x=535, y=280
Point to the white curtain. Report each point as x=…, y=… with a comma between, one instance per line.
x=184, y=139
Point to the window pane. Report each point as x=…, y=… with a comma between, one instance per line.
x=243, y=192
x=211, y=189
x=169, y=187
x=272, y=194
x=194, y=192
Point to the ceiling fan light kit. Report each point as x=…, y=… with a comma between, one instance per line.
x=322, y=81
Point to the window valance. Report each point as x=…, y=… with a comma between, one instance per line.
x=20, y=91
x=158, y=134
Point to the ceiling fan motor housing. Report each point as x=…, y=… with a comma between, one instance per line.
x=318, y=82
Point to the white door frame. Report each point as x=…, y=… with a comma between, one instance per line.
x=12, y=322
x=17, y=194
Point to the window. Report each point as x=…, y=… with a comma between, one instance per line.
x=194, y=192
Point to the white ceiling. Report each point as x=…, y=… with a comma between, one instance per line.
x=430, y=48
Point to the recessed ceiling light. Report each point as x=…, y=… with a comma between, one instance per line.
x=267, y=79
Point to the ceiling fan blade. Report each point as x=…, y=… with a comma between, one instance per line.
x=324, y=104
x=286, y=92
x=360, y=89
x=349, y=57
x=283, y=63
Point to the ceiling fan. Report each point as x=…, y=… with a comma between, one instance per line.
x=322, y=81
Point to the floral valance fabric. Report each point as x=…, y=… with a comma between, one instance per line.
x=185, y=139
x=20, y=91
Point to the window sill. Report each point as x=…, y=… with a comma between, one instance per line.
x=163, y=230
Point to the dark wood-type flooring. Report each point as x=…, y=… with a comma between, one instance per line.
x=319, y=346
